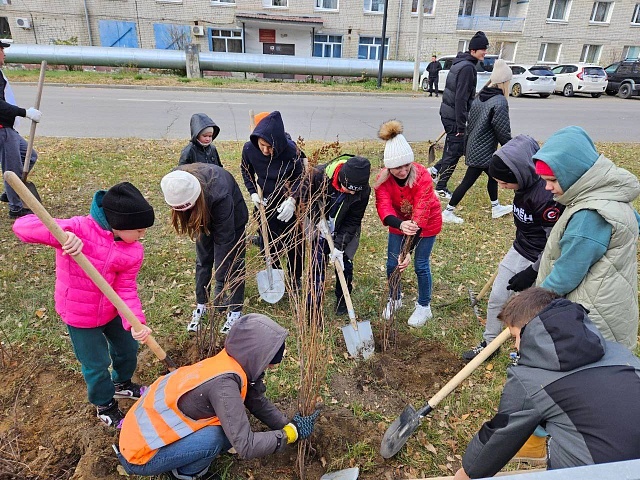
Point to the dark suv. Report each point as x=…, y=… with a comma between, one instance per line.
x=624, y=78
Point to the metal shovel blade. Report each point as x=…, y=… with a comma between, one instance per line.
x=32, y=188
x=399, y=432
x=359, y=342
x=346, y=474
x=271, y=287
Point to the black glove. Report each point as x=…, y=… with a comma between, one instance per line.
x=304, y=425
x=522, y=280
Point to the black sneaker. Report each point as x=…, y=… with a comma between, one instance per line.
x=4, y=198
x=129, y=390
x=473, y=353
x=21, y=212
x=341, y=308
x=110, y=414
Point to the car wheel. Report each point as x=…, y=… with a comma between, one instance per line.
x=516, y=90
x=425, y=85
x=611, y=93
x=625, y=90
x=544, y=95
x=596, y=95
x=567, y=91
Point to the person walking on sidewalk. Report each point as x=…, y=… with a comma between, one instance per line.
x=489, y=124
x=535, y=212
x=459, y=91
x=201, y=148
x=207, y=205
x=407, y=204
x=100, y=337
x=433, y=69
x=13, y=148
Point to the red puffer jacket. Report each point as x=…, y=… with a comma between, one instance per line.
x=418, y=203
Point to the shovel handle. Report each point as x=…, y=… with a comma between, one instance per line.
x=264, y=225
x=252, y=122
x=487, y=286
x=84, y=263
x=32, y=132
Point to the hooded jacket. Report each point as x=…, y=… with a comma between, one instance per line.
x=459, y=90
x=8, y=109
x=278, y=176
x=195, y=151
x=535, y=211
x=489, y=125
x=590, y=256
x=581, y=389
x=222, y=398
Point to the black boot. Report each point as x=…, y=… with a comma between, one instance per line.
x=341, y=307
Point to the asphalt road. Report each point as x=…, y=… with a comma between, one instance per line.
x=142, y=113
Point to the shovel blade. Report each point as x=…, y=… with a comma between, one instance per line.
x=271, y=287
x=359, y=342
x=32, y=188
x=431, y=155
x=399, y=432
x=346, y=474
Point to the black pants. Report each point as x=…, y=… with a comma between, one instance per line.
x=285, y=238
x=433, y=85
x=453, y=150
x=469, y=179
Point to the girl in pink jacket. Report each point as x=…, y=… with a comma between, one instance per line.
x=408, y=205
x=108, y=237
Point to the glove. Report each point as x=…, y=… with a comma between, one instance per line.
x=337, y=255
x=323, y=227
x=304, y=425
x=34, y=114
x=255, y=198
x=522, y=280
x=286, y=209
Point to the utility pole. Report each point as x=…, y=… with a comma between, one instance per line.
x=384, y=34
x=416, y=63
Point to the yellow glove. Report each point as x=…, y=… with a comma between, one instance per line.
x=291, y=432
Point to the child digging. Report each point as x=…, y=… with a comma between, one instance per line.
x=108, y=237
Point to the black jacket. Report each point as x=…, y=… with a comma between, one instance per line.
x=489, y=125
x=458, y=94
x=8, y=112
x=433, y=68
x=195, y=152
x=581, y=389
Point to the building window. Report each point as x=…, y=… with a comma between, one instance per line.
x=466, y=8
x=229, y=41
x=275, y=3
x=549, y=52
x=500, y=8
x=429, y=6
x=224, y=2
x=601, y=12
x=590, y=53
x=630, y=51
x=463, y=45
x=636, y=15
x=374, y=6
x=506, y=50
x=559, y=10
x=327, y=46
x=327, y=4
x=5, y=31
x=369, y=48
x=171, y=37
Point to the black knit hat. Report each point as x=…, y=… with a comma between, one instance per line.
x=126, y=208
x=354, y=174
x=4, y=44
x=479, y=41
x=499, y=170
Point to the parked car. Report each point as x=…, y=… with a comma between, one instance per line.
x=624, y=78
x=484, y=69
x=532, y=80
x=580, y=78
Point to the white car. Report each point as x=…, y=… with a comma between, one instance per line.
x=532, y=80
x=484, y=69
x=580, y=78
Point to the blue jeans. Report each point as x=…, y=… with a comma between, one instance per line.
x=421, y=255
x=189, y=455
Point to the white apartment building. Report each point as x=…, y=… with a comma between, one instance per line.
x=524, y=31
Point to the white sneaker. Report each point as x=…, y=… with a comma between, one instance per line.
x=392, y=306
x=449, y=217
x=196, y=316
x=231, y=319
x=501, y=210
x=444, y=194
x=433, y=171
x=420, y=316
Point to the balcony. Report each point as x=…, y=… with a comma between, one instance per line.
x=490, y=24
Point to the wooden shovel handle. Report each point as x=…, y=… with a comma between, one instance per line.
x=32, y=132
x=26, y=196
x=252, y=122
x=487, y=286
x=264, y=225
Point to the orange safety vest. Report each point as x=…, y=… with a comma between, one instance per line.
x=155, y=419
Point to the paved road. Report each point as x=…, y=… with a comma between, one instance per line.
x=117, y=112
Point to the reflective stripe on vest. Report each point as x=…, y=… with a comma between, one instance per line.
x=155, y=419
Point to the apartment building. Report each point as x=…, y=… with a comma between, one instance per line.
x=549, y=31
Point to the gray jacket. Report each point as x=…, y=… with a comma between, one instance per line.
x=488, y=125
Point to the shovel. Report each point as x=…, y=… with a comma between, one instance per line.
x=270, y=280
x=84, y=263
x=345, y=474
x=473, y=299
x=431, y=156
x=32, y=134
x=409, y=420
x=357, y=335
